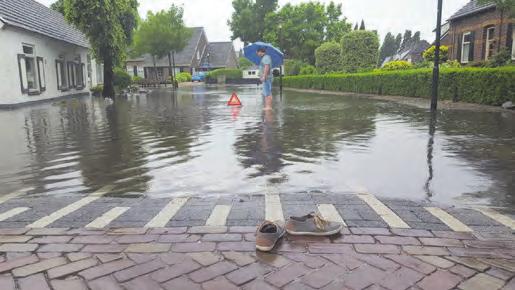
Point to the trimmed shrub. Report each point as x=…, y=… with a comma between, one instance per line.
x=308, y=70
x=429, y=54
x=122, y=79
x=137, y=79
x=292, y=66
x=229, y=73
x=183, y=77
x=490, y=86
x=360, y=51
x=244, y=63
x=97, y=90
x=397, y=65
x=503, y=57
x=328, y=58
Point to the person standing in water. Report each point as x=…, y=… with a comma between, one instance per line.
x=265, y=73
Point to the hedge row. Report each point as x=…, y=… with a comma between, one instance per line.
x=491, y=86
x=228, y=72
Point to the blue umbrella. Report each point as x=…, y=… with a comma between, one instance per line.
x=250, y=52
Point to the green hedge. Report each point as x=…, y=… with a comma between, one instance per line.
x=491, y=86
x=228, y=72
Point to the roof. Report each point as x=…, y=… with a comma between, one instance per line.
x=470, y=8
x=36, y=17
x=218, y=54
x=183, y=57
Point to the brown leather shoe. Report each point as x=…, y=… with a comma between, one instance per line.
x=267, y=235
x=312, y=225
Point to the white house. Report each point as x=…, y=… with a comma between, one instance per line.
x=251, y=72
x=43, y=57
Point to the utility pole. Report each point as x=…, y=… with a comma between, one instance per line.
x=436, y=68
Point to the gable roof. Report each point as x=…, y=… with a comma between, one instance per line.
x=218, y=54
x=183, y=57
x=36, y=17
x=470, y=8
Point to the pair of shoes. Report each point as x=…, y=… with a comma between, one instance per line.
x=312, y=224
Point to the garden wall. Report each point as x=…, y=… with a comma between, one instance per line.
x=491, y=86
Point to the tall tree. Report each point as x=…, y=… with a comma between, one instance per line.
x=506, y=8
x=109, y=28
x=356, y=26
x=336, y=25
x=398, y=41
x=416, y=37
x=362, y=26
x=162, y=34
x=247, y=21
x=58, y=6
x=406, y=39
x=388, y=48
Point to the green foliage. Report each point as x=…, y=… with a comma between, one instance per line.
x=299, y=29
x=109, y=28
x=183, y=77
x=97, y=90
x=58, y=6
x=389, y=48
x=244, y=63
x=429, y=54
x=246, y=22
x=451, y=64
x=137, y=79
x=503, y=57
x=292, y=66
x=397, y=65
x=122, y=79
x=359, y=50
x=491, y=86
x=229, y=73
x=308, y=70
x=362, y=26
x=328, y=57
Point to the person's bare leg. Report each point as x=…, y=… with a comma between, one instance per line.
x=268, y=103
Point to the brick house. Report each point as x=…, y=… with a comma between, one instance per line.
x=474, y=30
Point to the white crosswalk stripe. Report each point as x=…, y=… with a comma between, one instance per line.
x=330, y=213
x=219, y=215
x=12, y=212
x=452, y=222
x=273, y=208
x=383, y=211
x=167, y=213
x=105, y=219
x=47, y=220
x=15, y=194
x=498, y=217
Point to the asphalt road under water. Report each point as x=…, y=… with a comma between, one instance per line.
x=191, y=142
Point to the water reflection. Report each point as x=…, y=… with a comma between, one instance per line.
x=189, y=141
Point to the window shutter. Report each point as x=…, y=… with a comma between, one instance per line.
x=483, y=49
x=459, y=48
x=59, y=74
x=471, y=47
x=41, y=74
x=23, y=74
x=509, y=38
x=83, y=81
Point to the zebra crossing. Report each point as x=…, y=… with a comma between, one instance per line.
x=166, y=211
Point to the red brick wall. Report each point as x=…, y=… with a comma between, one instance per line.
x=476, y=23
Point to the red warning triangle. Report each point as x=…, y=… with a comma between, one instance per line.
x=234, y=100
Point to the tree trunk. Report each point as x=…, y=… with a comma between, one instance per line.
x=500, y=31
x=175, y=85
x=108, y=91
x=155, y=70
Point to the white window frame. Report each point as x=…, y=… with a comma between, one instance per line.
x=489, y=41
x=513, y=44
x=31, y=57
x=463, y=43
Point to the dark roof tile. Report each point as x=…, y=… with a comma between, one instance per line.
x=471, y=7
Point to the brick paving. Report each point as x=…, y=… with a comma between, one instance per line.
x=224, y=258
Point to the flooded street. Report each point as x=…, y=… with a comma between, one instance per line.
x=164, y=145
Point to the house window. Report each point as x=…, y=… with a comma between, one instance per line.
x=71, y=74
x=135, y=71
x=490, y=42
x=62, y=83
x=465, y=47
x=79, y=75
x=31, y=70
x=90, y=72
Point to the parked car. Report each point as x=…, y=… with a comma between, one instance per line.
x=199, y=77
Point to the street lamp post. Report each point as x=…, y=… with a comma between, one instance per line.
x=436, y=68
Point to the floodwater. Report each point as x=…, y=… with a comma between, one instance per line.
x=191, y=142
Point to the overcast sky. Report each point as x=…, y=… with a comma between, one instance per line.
x=382, y=15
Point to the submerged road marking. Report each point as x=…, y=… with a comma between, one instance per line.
x=383, y=211
x=167, y=213
x=109, y=216
x=448, y=219
x=15, y=194
x=273, y=208
x=330, y=213
x=219, y=215
x=12, y=212
x=496, y=216
x=45, y=221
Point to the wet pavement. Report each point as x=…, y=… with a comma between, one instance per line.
x=165, y=145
